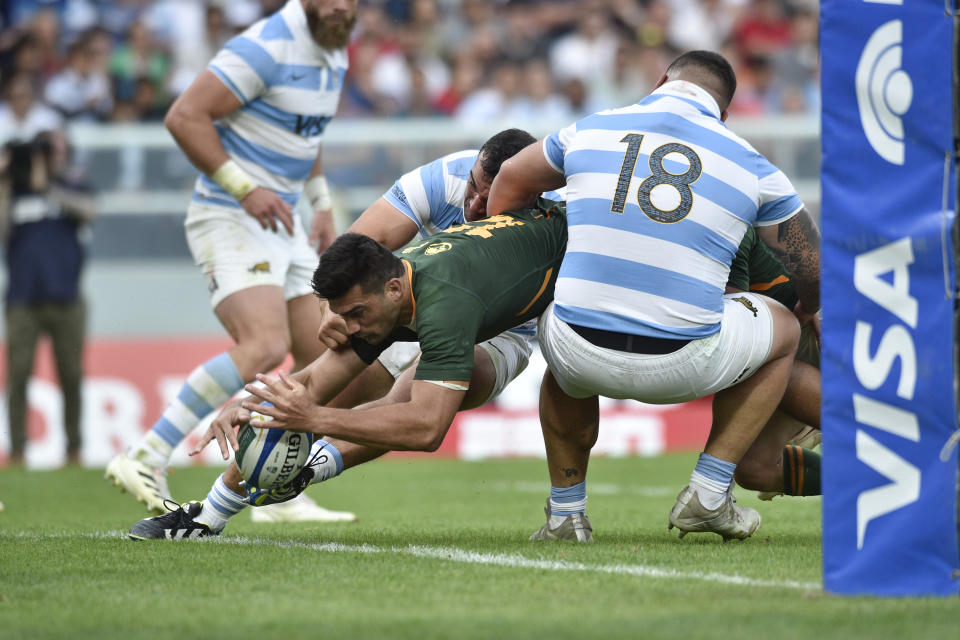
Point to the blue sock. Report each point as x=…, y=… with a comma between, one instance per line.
x=567, y=501
x=712, y=477
x=206, y=388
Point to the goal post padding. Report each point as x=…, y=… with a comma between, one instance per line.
x=888, y=295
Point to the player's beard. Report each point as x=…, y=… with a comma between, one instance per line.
x=332, y=31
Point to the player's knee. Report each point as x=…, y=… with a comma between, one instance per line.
x=786, y=331
x=754, y=474
x=270, y=351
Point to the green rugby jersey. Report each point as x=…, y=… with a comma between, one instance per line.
x=755, y=268
x=475, y=281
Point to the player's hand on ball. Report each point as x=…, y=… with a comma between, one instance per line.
x=288, y=491
x=293, y=408
x=223, y=430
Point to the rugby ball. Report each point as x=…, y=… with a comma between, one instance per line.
x=269, y=458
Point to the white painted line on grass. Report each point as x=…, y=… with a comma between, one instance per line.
x=454, y=554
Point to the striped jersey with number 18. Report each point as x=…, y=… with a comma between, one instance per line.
x=659, y=195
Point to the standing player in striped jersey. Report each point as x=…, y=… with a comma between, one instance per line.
x=252, y=123
x=659, y=195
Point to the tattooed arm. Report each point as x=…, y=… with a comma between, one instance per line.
x=796, y=242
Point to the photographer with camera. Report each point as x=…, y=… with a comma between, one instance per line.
x=44, y=210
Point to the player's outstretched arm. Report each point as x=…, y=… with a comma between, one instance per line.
x=521, y=179
x=316, y=384
x=796, y=242
x=417, y=425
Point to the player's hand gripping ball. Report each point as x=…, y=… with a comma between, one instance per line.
x=269, y=458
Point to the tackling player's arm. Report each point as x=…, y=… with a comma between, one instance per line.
x=386, y=224
x=521, y=179
x=796, y=243
x=190, y=122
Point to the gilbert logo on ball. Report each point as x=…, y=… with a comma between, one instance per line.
x=270, y=458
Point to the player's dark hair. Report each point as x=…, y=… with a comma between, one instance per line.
x=354, y=259
x=707, y=66
x=502, y=146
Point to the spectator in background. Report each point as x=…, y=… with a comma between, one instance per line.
x=540, y=103
x=465, y=77
x=755, y=92
x=524, y=34
x=139, y=58
x=762, y=30
x=633, y=74
x=141, y=106
x=589, y=52
x=652, y=32
x=193, y=31
x=20, y=51
x=82, y=91
x=43, y=213
x=797, y=68
x=462, y=26
x=22, y=117
x=492, y=102
x=701, y=24
x=408, y=75
x=45, y=29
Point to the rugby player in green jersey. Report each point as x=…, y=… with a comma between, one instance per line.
x=441, y=293
x=436, y=293
x=781, y=460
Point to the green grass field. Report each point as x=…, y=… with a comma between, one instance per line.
x=441, y=550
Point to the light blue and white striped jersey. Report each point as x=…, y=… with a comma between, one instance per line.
x=289, y=87
x=659, y=195
x=433, y=195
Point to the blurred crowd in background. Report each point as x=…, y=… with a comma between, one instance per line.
x=477, y=60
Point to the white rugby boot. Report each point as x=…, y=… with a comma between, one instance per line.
x=728, y=520
x=299, y=509
x=145, y=483
x=575, y=526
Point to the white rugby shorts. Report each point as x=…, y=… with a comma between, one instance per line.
x=509, y=351
x=235, y=253
x=702, y=367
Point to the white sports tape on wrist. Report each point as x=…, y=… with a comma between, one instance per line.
x=318, y=193
x=234, y=180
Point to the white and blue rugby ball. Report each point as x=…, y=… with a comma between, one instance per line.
x=270, y=458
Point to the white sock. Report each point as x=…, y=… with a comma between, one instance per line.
x=221, y=504
x=329, y=462
x=711, y=492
